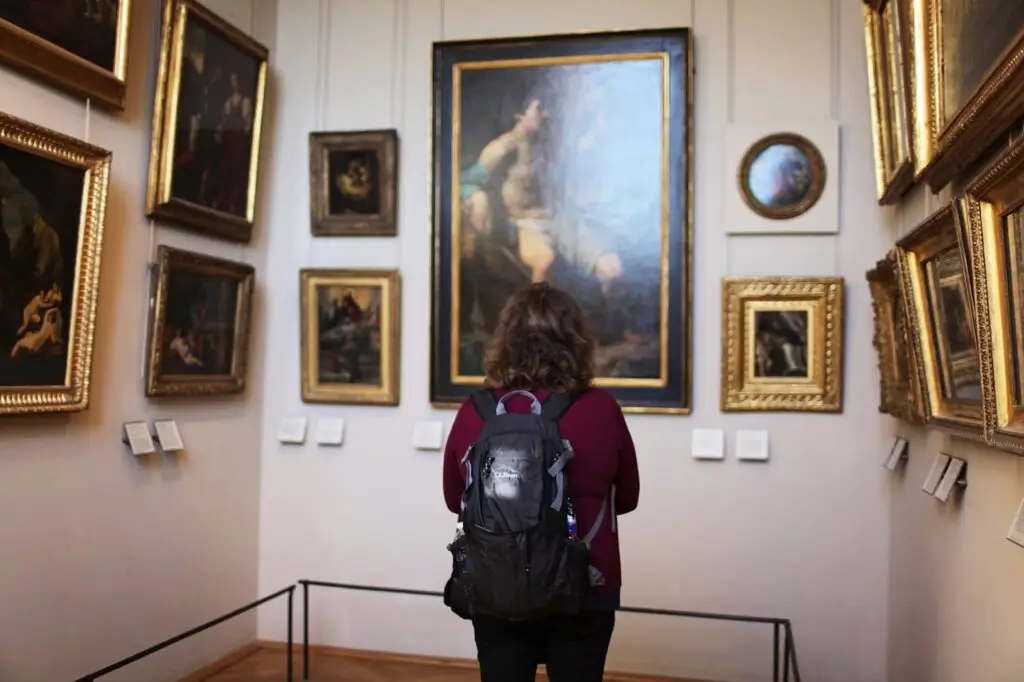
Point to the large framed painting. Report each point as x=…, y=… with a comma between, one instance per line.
x=969, y=79
x=566, y=159
x=79, y=46
x=350, y=336
x=53, y=194
x=993, y=208
x=207, y=119
x=943, y=330
x=899, y=385
x=198, y=341
x=889, y=47
x=782, y=344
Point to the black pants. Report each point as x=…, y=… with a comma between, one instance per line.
x=573, y=647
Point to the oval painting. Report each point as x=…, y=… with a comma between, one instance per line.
x=782, y=176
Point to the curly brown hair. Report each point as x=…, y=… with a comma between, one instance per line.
x=541, y=341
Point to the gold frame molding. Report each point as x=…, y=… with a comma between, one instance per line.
x=160, y=204
x=899, y=386
x=389, y=280
x=814, y=192
x=73, y=396
x=936, y=235
x=985, y=206
x=947, y=143
x=822, y=389
x=886, y=34
x=32, y=55
x=322, y=223
x=158, y=384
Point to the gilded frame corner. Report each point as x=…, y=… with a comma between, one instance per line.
x=935, y=237
x=159, y=384
x=32, y=55
x=160, y=203
x=73, y=395
x=383, y=224
x=821, y=390
x=818, y=168
x=390, y=282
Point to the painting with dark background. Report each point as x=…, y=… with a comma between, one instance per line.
x=780, y=344
x=348, y=335
x=199, y=329
x=213, y=144
x=354, y=182
x=85, y=28
x=553, y=168
x=40, y=206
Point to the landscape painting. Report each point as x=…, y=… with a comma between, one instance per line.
x=566, y=159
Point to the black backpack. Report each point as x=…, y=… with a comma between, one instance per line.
x=515, y=558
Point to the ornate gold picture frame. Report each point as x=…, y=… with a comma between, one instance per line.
x=353, y=183
x=80, y=47
x=199, y=320
x=993, y=208
x=942, y=327
x=54, y=191
x=781, y=176
x=899, y=384
x=887, y=38
x=207, y=121
x=968, y=80
x=351, y=345
x=782, y=344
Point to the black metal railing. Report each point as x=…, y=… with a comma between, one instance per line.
x=290, y=591
x=783, y=652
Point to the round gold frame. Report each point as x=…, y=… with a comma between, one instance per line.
x=814, y=192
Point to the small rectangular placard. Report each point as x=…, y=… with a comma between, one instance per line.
x=897, y=454
x=1016, y=534
x=428, y=435
x=949, y=479
x=935, y=475
x=330, y=431
x=707, y=444
x=168, y=435
x=752, y=445
x=292, y=431
x=138, y=438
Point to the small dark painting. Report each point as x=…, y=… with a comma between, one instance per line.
x=85, y=28
x=200, y=318
x=348, y=332
x=355, y=182
x=959, y=338
x=213, y=143
x=40, y=215
x=780, y=343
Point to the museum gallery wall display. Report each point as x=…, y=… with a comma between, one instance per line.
x=566, y=159
x=79, y=46
x=350, y=336
x=353, y=183
x=54, y=193
x=782, y=344
x=207, y=119
x=198, y=340
x=939, y=314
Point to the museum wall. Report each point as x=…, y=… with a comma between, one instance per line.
x=104, y=555
x=956, y=597
x=804, y=536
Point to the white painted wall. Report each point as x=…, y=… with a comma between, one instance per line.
x=103, y=556
x=805, y=536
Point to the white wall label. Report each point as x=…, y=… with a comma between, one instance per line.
x=707, y=444
x=428, y=435
x=897, y=454
x=292, y=431
x=935, y=475
x=168, y=435
x=138, y=438
x=1016, y=534
x=752, y=445
x=950, y=479
x=330, y=431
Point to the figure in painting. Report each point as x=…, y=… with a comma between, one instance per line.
x=85, y=28
x=200, y=331
x=780, y=343
x=349, y=335
x=356, y=188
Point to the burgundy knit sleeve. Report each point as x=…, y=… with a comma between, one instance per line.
x=627, y=479
x=465, y=430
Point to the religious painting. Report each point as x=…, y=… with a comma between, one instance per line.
x=889, y=45
x=942, y=326
x=782, y=344
x=53, y=193
x=207, y=121
x=992, y=206
x=899, y=385
x=971, y=73
x=350, y=336
x=566, y=159
x=79, y=46
x=199, y=325
x=782, y=176
x=353, y=182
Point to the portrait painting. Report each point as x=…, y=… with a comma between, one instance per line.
x=782, y=176
x=566, y=159
x=350, y=336
x=207, y=123
x=353, y=183
x=79, y=46
x=782, y=344
x=199, y=325
x=960, y=368
x=53, y=193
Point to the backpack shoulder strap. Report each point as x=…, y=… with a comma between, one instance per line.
x=556, y=405
x=485, y=403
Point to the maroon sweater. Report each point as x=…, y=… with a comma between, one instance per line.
x=604, y=458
